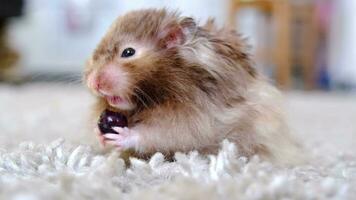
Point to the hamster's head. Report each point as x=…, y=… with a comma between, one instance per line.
x=136, y=63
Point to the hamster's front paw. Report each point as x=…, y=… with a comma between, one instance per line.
x=125, y=139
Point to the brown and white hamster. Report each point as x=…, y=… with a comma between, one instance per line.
x=185, y=87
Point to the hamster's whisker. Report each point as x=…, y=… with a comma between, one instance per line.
x=140, y=99
x=145, y=95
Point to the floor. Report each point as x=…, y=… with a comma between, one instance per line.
x=42, y=113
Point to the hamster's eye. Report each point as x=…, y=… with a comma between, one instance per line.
x=128, y=52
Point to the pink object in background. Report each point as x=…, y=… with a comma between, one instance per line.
x=78, y=15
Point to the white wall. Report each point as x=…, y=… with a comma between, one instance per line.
x=342, y=55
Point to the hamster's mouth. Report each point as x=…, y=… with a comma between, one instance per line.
x=114, y=99
x=118, y=102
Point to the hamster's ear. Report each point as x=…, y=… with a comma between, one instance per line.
x=176, y=34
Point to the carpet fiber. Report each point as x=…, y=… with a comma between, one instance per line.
x=48, y=152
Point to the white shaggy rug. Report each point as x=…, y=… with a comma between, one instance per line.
x=35, y=164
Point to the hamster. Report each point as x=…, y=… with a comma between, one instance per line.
x=185, y=87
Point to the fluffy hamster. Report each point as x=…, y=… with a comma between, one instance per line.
x=185, y=87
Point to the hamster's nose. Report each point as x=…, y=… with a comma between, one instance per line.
x=96, y=84
x=93, y=81
x=103, y=83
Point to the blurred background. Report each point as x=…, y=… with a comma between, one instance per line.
x=299, y=44
x=306, y=47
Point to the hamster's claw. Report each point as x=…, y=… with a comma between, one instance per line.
x=125, y=139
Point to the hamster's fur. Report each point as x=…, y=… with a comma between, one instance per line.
x=187, y=87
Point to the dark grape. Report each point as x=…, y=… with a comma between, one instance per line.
x=109, y=119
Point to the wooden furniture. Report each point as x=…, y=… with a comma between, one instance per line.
x=308, y=36
x=8, y=56
x=283, y=54
x=280, y=13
